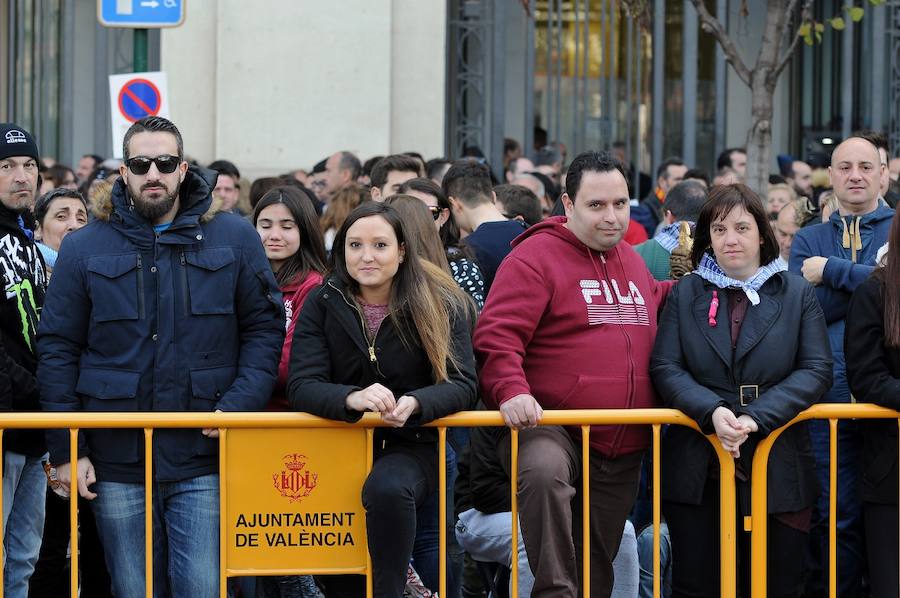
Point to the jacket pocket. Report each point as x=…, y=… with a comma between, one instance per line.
x=208, y=385
x=210, y=280
x=114, y=288
x=104, y=389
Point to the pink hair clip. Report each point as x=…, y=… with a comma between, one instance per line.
x=713, y=309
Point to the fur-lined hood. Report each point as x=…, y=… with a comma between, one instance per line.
x=197, y=185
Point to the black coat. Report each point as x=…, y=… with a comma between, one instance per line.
x=330, y=359
x=25, y=281
x=873, y=372
x=782, y=348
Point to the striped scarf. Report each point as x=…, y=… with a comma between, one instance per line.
x=710, y=271
x=668, y=235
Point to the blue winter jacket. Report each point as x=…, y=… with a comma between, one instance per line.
x=189, y=319
x=841, y=276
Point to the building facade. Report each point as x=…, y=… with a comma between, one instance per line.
x=275, y=86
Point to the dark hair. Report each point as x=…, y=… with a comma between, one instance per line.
x=540, y=136
x=590, y=162
x=261, y=186
x=724, y=159
x=393, y=163
x=723, y=199
x=57, y=174
x=153, y=124
x=310, y=257
x=685, y=200
x=547, y=156
x=369, y=164
x=697, y=175
x=434, y=166
x=350, y=162
x=519, y=200
x=777, y=179
x=97, y=159
x=663, y=170
x=422, y=295
x=510, y=145
x=420, y=224
x=876, y=138
x=469, y=182
x=889, y=276
x=227, y=168
x=42, y=205
x=449, y=233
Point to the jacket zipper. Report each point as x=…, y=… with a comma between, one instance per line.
x=373, y=359
x=184, y=286
x=620, y=433
x=140, y=283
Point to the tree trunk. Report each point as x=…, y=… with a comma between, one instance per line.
x=759, y=137
x=763, y=79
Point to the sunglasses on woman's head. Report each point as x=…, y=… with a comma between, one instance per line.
x=165, y=164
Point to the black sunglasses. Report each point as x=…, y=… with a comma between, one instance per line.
x=166, y=164
x=435, y=211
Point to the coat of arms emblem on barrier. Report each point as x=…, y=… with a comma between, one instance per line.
x=293, y=482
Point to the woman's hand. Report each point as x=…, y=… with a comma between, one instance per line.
x=376, y=398
x=732, y=431
x=406, y=406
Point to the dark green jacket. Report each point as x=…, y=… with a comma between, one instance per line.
x=657, y=259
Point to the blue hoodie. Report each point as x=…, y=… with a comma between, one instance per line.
x=837, y=240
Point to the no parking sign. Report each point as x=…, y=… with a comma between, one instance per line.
x=132, y=97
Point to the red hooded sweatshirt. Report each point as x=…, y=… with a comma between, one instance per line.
x=293, y=294
x=574, y=328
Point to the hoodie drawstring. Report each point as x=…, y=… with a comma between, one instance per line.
x=852, y=239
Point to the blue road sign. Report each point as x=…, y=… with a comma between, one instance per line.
x=140, y=13
x=139, y=98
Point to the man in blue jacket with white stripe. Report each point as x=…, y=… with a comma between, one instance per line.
x=161, y=304
x=836, y=257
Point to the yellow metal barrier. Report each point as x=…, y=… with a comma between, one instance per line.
x=238, y=421
x=758, y=498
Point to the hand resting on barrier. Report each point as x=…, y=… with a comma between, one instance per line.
x=521, y=411
x=732, y=431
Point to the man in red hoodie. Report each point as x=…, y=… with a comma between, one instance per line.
x=570, y=324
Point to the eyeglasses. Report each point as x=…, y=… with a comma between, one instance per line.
x=166, y=164
x=435, y=211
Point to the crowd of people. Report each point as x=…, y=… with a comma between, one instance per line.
x=415, y=289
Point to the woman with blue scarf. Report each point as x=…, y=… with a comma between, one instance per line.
x=742, y=348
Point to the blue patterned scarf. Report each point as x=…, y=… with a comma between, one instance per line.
x=668, y=236
x=710, y=271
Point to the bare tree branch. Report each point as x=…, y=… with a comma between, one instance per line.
x=713, y=26
x=786, y=57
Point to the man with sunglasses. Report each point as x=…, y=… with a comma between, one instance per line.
x=161, y=304
x=24, y=281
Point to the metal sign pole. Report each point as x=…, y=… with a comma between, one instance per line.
x=140, y=51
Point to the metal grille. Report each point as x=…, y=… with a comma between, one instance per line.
x=893, y=26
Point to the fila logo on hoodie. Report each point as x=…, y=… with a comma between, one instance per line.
x=607, y=305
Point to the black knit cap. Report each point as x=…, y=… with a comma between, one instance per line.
x=16, y=141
